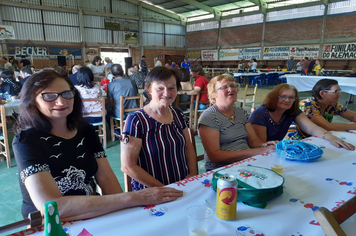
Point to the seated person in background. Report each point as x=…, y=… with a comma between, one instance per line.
x=7, y=64
x=225, y=130
x=9, y=85
x=352, y=73
x=278, y=68
x=25, y=73
x=60, y=158
x=120, y=86
x=186, y=86
x=324, y=105
x=73, y=76
x=87, y=88
x=96, y=67
x=24, y=62
x=201, y=84
x=137, y=77
x=280, y=108
x=108, y=74
x=317, y=67
x=158, y=149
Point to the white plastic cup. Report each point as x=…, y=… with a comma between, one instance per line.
x=277, y=162
x=199, y=217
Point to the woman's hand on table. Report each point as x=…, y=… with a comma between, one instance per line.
x=269, y=143
x=340, y=143
x=157, y=195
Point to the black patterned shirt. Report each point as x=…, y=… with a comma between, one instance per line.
x=71, y=162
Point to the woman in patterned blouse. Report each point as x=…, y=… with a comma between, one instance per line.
x=60, y=158
x=325, y=104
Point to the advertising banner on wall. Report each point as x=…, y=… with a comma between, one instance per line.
x=37, y=52
x=340, y=51
x=302, y=51
x=249, y=53
x=45, y=52
x=65, y=51
x=91, y=53
x=209, y=55
x=229, y=54
x=131, y=38
x=112, y=24
x=275, y=53
x=193, y=55
x=7, y=32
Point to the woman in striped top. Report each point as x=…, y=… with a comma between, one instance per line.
x=156, y=150
x=225, y=130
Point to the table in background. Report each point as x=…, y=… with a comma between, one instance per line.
x=327, y=182
x=11, y=107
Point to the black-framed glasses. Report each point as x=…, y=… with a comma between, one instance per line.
x=233, y=86
x=283, y=97
x=333, y=91
x=50, y=97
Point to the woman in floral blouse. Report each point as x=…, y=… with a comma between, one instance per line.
x=325, y=104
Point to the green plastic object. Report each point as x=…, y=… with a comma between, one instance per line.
x=53, y=224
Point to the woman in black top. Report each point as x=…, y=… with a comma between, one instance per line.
x=59, y=156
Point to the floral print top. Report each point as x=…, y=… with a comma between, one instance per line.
x=311, y=109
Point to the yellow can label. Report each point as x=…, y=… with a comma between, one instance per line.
x=226, y=203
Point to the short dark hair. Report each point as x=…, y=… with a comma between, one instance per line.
x=8, y=74
x=4, y=58
x=23, y=56
x=197, y=68
x=272, y=98
x=116, y=70
x=97, y=58
x=85, y=77
x=27, y=69
x=323, y=84
x=162, y=73
x=184, y=75
x=30, y=116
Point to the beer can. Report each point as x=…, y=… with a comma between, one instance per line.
x=226, y=197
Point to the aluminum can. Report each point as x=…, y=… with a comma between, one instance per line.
x=226, y=197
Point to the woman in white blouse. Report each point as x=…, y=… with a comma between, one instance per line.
x=96, y=67
x=88, y=89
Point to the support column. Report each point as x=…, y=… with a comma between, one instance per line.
x=326, y=4
x=81, y=28
x=140, y=28
x=218, y=41
x=3, y=41
x=263, y=34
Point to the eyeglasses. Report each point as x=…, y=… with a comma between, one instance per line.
x=333, y=91
x=50, y=97
x=233, y=86
x=282, y=97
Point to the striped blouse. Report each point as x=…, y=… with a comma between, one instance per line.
x=232, y=135
x=163, y=146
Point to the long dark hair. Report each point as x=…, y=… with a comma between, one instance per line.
x=85, y=77
x=30, y=116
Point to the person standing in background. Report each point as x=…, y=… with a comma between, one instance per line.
x=311, y=65
x=290, y=64
x=108, y=63
x=305, y=64
x=186, y=64
x=143, y=65
x=158, y=62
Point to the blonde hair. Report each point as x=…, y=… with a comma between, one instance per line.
x=219, y=78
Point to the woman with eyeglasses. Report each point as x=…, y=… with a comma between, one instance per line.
x=325, y=104
x=60, y=158
x=225, y=130
x=272, y=120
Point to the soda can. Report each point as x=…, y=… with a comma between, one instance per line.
x=226, y=197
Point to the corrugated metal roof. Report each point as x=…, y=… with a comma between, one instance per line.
x=62, y=33
x=24, y=31
x=97, y=35
x=94, y=21
x=152, y=27
x=174, y=29
x=153, y=39
x=61, y=3
x=95, y=5
x=123, y=7
x=175, y=41
x=21, y=14
x=60, y=18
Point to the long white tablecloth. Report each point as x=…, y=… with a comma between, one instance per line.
x=328, y=182
x=11, y=107
x=306, y=83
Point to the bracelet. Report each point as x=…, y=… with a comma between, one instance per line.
x=325, y=134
